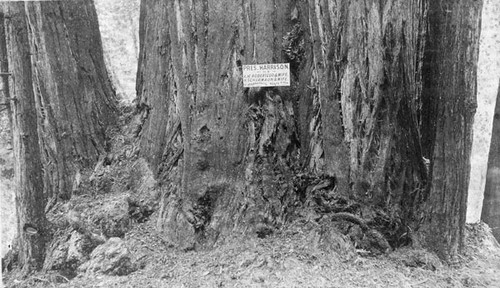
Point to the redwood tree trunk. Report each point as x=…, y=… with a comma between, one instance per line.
x=30, y=201
x=62, y=104
x=491, y=203
x=450, y=103
x=154, y=81
x=75, y=100
x=229, y=155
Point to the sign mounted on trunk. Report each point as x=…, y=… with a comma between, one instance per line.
x=266, y=75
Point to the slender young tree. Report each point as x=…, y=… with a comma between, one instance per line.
x=30, y=200
x=491, y=203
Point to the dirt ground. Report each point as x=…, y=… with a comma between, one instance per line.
x=289, y=259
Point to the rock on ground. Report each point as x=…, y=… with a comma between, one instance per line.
x=111, y=258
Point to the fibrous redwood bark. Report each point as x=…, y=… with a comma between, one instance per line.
x=154, y=82
x=354, y=110
x=74, y=97
x=221, y=139
x=367, y=56
x=237, y=149
x=450, y=102
x=62, y=103
x=30, y=200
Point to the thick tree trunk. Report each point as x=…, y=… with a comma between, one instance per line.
x=74, y=97
x=491, y=203
x=355, y=87
x=449, y=106
x=380, y=93
x=354, y=112
x=30, y=201
x=62, y=103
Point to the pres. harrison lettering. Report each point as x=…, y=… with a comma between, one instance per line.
x=283, y=66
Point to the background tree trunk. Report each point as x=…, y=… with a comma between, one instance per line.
x=62, y=104
x=449, y=106
x=75, y=100
x=491, y=204
x=30, y=201
x=488, y=75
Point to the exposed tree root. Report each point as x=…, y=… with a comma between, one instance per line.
x=375, y=238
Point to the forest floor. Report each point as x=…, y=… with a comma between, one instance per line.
x=290, y=257
x=288, y=260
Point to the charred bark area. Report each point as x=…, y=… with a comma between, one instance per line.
x=491, y=211
x=75, y=101
x=30, y=200
x=449, y=92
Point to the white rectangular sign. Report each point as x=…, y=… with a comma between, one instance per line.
x=266, y=75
